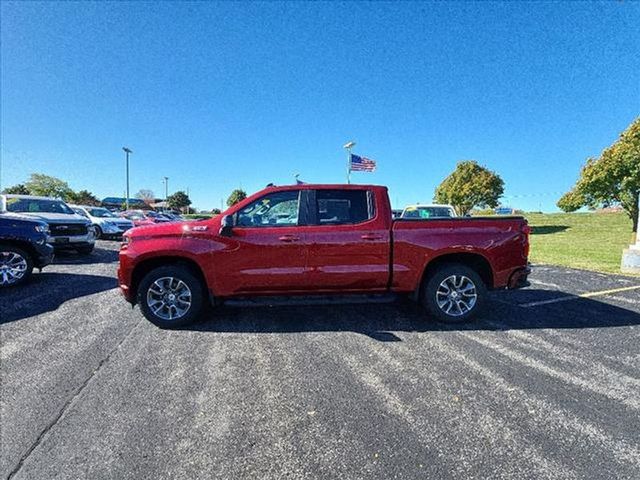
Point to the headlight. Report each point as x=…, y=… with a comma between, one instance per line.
x=42, y=228
x=126, y=240
x=109, y=227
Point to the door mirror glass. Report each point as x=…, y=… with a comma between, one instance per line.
x=226, y=226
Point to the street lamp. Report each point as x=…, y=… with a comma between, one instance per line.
x=166, y=191
x=349, y=146
x=127, y=151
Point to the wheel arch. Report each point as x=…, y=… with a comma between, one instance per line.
x=475, y=261
x=145, y=266
x=22, y=245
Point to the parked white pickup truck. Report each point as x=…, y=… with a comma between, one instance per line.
x=68, y=230
x=428, y=211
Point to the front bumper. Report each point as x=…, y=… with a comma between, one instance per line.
x=44, y=255
x=114, y=230
x=73, y=241
x=125, y=270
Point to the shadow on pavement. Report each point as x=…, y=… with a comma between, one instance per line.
x=99, y=255
x=379, y=321
x=47, y=291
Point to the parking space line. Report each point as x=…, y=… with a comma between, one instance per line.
x=544, y=284
x=607, y=292
x=582, y=295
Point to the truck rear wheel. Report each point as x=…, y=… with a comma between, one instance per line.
x=454, y=293
x=16, y=266
x=171, y=296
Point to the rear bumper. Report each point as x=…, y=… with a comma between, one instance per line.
x=519, y=278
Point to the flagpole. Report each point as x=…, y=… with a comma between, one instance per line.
x=349, y=146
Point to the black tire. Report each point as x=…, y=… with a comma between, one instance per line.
x=85, y=250
x=98, y=231
x=158, y=317
x=467, y=297
x=15, y=256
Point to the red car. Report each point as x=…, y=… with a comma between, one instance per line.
x=309, y=239
x=143, y=217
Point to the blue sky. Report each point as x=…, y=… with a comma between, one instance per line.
x=221, y=95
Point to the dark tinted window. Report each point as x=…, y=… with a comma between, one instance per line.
x=343, y=206
x=35, y=205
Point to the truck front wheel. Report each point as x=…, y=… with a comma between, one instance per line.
x=454, y=293
x=15, y=266
x=171, y=296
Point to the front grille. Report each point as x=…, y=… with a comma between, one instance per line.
x=67, y=229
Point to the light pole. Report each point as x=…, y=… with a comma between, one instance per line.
x=349, y=146
x=166, y=191
x=127, y=151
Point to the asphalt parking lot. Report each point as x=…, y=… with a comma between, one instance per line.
x=545, y=385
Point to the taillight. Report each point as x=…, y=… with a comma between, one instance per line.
x=526, y=231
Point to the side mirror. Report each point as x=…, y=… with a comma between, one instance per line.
x=226, y=226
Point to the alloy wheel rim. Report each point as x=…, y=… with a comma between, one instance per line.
x=13, y=267
x=169, y=298
x=456, y=295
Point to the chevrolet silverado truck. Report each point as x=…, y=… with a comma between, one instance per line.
x=67, y=229
x=23, y=246
x=320, y=239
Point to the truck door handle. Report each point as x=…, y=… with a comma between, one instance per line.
x=288, y=238
x=370, y=236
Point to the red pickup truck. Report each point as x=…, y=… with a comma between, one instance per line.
x=320, y=239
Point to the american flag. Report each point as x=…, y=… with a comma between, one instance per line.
x=361, y=164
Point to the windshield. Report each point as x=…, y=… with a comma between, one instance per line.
x=100, y=213
x=35, y=205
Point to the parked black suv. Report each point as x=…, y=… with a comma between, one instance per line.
x=23, y=246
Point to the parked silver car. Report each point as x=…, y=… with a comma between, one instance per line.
x=106, y=223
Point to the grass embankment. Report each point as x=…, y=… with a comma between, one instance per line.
x=593, y=241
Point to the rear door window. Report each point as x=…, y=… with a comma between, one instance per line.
x=340, y=207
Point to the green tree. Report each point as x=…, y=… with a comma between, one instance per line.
x=179, y=200
x=236, y=196
x=47, y=186
x=19, y=189
x=215, y=211
x=571, y=201
x=84, y=197
x=470, y=185
x=614, y=177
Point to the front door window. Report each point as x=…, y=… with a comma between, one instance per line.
x=278, y=209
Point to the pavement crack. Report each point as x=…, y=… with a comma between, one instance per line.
x=68, y=404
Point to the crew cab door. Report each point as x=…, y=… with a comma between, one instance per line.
x=267, y=250
x=349, y=242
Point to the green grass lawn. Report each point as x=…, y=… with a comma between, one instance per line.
x=593, y=241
